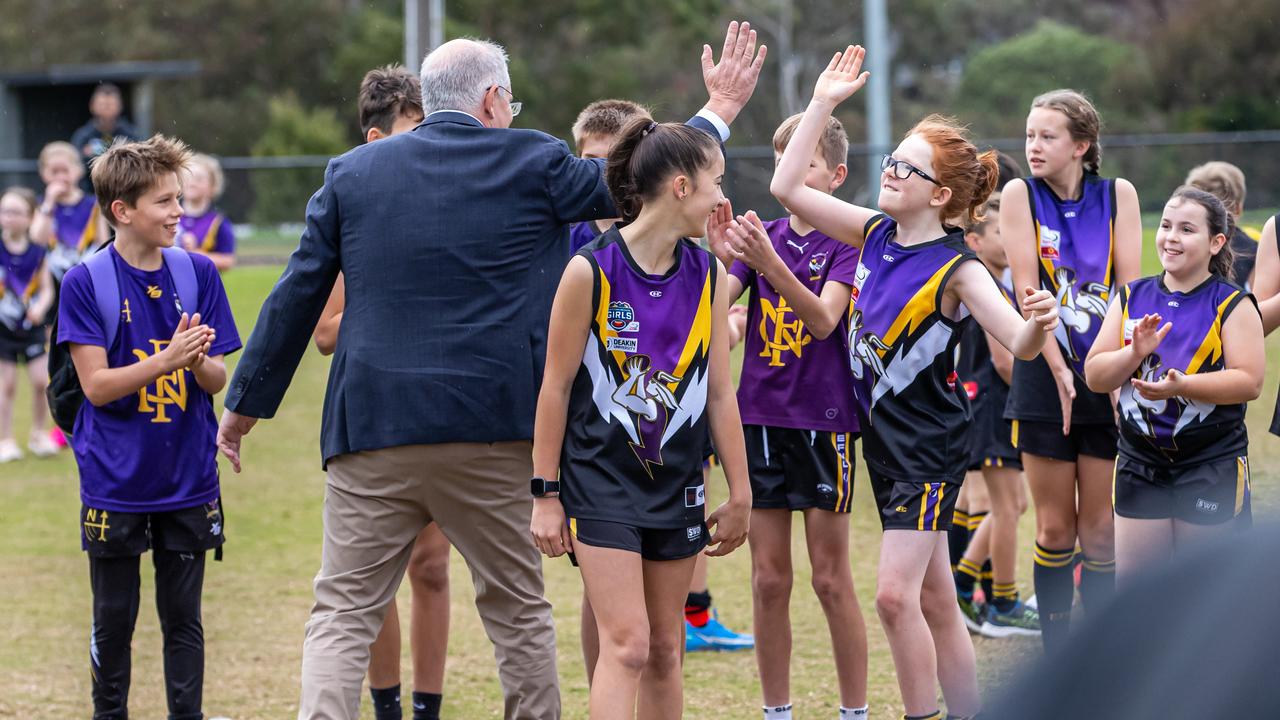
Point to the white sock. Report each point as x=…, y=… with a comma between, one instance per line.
x=778, y=712
x=853, y=713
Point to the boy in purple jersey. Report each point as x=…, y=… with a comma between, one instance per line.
x=1185, y=349
x=144, y=437
x=26, y=294
x=796, y=399
x=204, y=228
x=594, y=133
x=69, y=223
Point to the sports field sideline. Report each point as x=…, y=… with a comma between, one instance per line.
x=256, y=602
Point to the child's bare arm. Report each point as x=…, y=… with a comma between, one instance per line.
x=730, y=521
x=326, y=332
x=210, y=373
x=103, y=384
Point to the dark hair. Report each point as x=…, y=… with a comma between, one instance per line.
x=388, y=93
x=107, y=88
x=647, y=153
x=958, y=165
x=1220, y=223
x=23, y=194
x=1083, y=122
x=127, y=170
x=1009, y=169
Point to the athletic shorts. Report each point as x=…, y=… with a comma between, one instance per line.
x=799, y=469
x=649, y=543
x=1045, y=439
x=108, y=534
x=991, y=437
x=22, y=346
x=1207, y=494
x=926, y=506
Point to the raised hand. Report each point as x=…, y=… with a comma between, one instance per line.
x=1148, y=334
x=1043, y=307
x=843, y=77
x=190, y=339
x=731, y=83
x=718, y=232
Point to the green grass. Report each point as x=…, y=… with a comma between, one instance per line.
x=257, y=600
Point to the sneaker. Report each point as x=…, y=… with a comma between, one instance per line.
x=693, y=640
x=972, y=612
x=1020, y=620
x=719, y=636
x=41, y=445
x=1031, y=603
x=9, y=451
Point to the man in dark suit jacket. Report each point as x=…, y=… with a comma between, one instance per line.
x=451, y=239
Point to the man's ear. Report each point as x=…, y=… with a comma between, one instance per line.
x=374, y=134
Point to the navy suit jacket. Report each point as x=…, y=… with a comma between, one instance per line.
x=452, y=239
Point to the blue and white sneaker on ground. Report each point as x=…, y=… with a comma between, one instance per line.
x=715, y=636
x=1020, y=620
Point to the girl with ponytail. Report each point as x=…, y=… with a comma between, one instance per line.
x=637, y=370
x=1078, y=235
x=916, y=286
x=1185, y=350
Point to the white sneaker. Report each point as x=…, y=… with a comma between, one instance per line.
x=41, y=445
x=1031, y=603
x=9, y=451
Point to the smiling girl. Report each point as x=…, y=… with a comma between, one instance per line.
x=637, y=368
x=1185, y=350
x=915, y=288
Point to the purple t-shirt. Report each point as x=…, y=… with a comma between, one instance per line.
x=789, y=378
x=213, y=232
x=153, y=450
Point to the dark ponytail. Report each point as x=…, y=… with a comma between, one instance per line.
x=648, y=153
x=1219, y=221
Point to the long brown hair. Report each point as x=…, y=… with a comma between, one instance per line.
x=646, y=154
x=1219, y=221
x=1083, y=121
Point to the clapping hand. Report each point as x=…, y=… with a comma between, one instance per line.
x=1166, y=387
x=1147, y=334
x=843, y=77
x=1043, y=307
x=718, y=232
x=749, y=243
x=731, y=83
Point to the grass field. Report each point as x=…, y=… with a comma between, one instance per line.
x=257, y=600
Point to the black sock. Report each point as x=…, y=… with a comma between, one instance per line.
x=1004, y=597
x=386, y=703
x=958, y=536
x=967, y=574
x=1097, y=583
x=426, y=706
x=1055, y=591
x=988, y=590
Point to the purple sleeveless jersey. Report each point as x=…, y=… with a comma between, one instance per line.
x=789, y=379
x=1179, y=431
x=637, y=425
x=212, y=232
x=914, y=418
x=19, y=282
x=1075, y=243
x=75, y=231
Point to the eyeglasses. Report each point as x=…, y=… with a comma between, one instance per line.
x=516, y=105
x=903, y=169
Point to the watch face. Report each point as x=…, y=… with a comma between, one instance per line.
x=538, y=487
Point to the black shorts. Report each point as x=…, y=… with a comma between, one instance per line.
x=915, y=505
x=991, y=437
x=108, y=534
x=1045, y=439
x=22, y=346
x=650, y=543
x=1207, y=494
x=799, y=469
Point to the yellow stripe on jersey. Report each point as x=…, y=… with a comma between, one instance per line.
x=602, y=318
x=918, y=309
x=1045, y=263
x=1211, y=347
x=90, y=232
x=211, y=237
x=873, y=227
x=698, y=344
x=1124, y=313
x=1111, y=250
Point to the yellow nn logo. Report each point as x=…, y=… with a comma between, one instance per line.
x=167, y=390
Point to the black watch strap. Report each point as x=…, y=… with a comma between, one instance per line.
x=541, y=487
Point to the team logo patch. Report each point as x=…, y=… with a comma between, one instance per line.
x=1129, y=325
x=622, y=318
x=1050, y=243
x=695, y=496
x=154, y=292
x=859, y=278
x=825, y=488
x=817, y=261
x=693, y=533
x=627, y=345
x=1206, y=506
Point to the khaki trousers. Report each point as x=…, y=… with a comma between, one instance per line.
x=376, y=503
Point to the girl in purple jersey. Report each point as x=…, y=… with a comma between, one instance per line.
x=26, y=294
x=637, y=368
x=1266, y=287
x=69, y=222
x=1070, y=231
x=1185, y=350
x=915, y=288
x=205, y=229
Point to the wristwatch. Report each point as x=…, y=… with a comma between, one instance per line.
x=541, y=487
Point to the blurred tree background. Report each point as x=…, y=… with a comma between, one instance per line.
x=280, y=77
